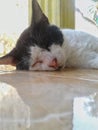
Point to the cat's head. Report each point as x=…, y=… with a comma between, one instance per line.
x=39, y=47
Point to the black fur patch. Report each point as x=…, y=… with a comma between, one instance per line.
x=44, y=37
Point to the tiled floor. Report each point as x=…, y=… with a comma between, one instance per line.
x=48, y=100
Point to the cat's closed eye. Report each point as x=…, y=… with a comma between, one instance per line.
x=37, y=62
x=44, y=65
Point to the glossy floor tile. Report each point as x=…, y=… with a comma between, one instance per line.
x=85, y=116
x=45, y=100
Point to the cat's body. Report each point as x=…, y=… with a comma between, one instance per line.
x=82, y=49
x=46, y=47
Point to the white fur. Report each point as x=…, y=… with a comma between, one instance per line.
x=78, y=50
x=82, y=48
x=46, y=56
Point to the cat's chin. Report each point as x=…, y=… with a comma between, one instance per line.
x=43, y=68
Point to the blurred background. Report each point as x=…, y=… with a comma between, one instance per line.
x=15, y=16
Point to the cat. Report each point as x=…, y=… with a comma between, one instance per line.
x=43, y=46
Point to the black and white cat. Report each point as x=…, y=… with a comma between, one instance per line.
x=46, y=47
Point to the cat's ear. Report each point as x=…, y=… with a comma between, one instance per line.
x=38, y=15
x=8, y=59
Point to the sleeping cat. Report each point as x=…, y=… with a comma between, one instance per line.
x=46, y=47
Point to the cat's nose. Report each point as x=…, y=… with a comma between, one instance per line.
x=54, y=63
